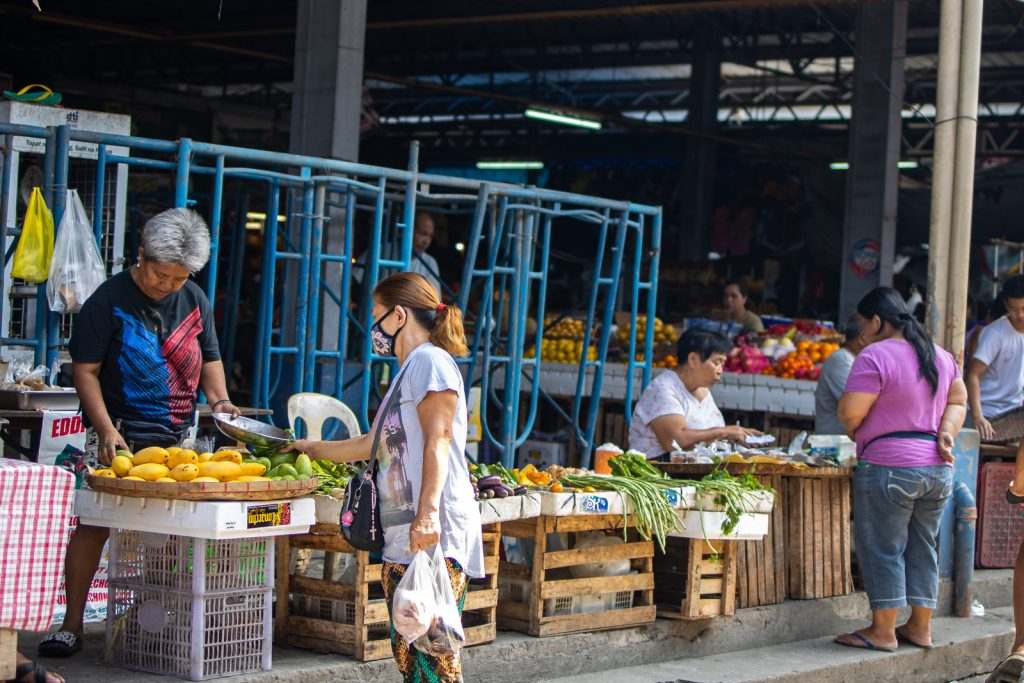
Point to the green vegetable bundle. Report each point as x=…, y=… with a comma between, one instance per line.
x=652, y=514
x=332, y=475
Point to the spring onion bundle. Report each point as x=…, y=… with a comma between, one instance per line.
x=653, y=516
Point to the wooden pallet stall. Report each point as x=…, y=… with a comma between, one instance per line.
x=818, y=534
x=541, y=597
x=345, y=612
x=761, y=565
x=695, y=578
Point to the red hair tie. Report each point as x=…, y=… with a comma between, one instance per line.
x=441, y=307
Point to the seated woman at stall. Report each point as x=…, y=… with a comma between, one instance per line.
x=904, y=406
x=143, y=345
x=677, y=407
x=735, y=297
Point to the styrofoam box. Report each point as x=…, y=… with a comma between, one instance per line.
x=542, y=454
x=682, y=498
x=501, y=509
x=596, y=503
x=704, y=524
x=531, y=504
x=759, y=502
x=328, y=509
x=198, y=519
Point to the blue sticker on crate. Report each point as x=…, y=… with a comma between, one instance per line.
x=594, y=504
x=261, y=516
x=672, y=496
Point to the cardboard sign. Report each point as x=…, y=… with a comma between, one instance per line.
x=60, y=428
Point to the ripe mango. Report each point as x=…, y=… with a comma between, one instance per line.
x=132, y=478
x=183, y=456
x=149, y=471
x=222, y=471
x=185, y=472
x=209, y=480
x=250, y=477
x=174, y=450
x=153, y=454
x=120, y=464
x=228, y=456
x=205, y=457
x=105, y=472
x=166, y=480
x=253, y=469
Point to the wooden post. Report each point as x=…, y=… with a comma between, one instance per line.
x=8, y=653
x=282, y=549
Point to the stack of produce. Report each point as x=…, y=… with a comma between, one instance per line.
x=561, y=351
x=665, y=337
x=180, y=465
x=747, y=359
x=494, y=481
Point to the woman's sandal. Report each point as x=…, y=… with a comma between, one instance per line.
x=1008, y=671
x=1012, y=498
x=60, y=644
x=860, y=642
x=38, y=672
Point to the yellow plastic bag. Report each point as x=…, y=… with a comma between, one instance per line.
x=35, y=245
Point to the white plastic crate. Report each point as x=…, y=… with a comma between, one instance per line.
x=708, y=525
x=168, y=562
x=191, y=636
x=328, y=609
x=518, y=590
x=201, y=519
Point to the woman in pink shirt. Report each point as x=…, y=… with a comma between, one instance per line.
x=904, y=405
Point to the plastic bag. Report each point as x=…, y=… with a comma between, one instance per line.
x=35, y=245
x=413, y=606
x=445, y=635
x=77, y=269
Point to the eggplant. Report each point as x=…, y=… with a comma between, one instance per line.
x=520, y=490
x=486, y=494
x=489, y=481
x=502, y=491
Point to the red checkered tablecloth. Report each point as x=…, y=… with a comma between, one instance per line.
x=35, y=513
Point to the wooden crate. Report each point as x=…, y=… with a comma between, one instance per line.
x=352, y=619
x=695, y=579
x=818, y=536
x=545, y=578
x=761, y=565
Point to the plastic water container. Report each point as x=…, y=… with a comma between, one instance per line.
x=190, y=607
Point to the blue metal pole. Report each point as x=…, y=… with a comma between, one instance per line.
x=302, y=301
x=215, y=218
x=315, y=273
x=588, y=326
x=366, y=315
x=6, y=181
x=264, y=333
x=473, y=245
x=517, y=325
x=602, y=350
x=634, y=306
x=181, y=178
x=42, y=305
x=345, y=311
x=409, y=210
x=237, y=263
x=652, y=301
x=97, y=202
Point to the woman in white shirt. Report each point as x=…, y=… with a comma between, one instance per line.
x=426, y=497
x=678, y=407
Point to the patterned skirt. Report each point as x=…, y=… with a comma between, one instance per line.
x=416, y=666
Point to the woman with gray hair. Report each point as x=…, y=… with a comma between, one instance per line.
x=142, y=346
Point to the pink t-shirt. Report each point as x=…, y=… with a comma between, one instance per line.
x=905, y=403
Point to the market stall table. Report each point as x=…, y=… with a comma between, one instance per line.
x=808, y=549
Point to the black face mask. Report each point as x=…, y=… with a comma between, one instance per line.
x=383, y=343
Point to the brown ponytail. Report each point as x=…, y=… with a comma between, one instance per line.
x=413, y=292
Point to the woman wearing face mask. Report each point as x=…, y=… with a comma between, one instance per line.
x=423, y=481
x=904, y=405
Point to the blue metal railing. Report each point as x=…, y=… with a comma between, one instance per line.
x=504, y=283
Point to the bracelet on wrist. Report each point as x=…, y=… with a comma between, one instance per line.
x=213, y=408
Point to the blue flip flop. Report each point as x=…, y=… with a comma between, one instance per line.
x=865, y=643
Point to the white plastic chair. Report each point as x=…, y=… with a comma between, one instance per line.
x=316, y=409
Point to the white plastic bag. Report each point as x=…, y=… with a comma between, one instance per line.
x=445, y=635
x=413, y=606
x=77, y=267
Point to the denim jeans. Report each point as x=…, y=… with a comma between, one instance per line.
x=896, y=512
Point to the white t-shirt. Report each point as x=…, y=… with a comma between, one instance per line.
x=400, y=456
x=667, y=395
x=1001, y=348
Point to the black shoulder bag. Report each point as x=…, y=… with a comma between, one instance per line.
x=360, y=512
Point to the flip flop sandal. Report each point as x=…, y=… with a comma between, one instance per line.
x=904, y=639
x=1008, y=671
x=60, y=644
x=1012, y=498
x=865, y=643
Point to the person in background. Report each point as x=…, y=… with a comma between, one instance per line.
x=986, y=314
x=736, y=306
x=904, y=406
x=421, y=262
x=142, y=346
x=832, y=381
x=677, y=407
x=426, y=497
x=995, y=376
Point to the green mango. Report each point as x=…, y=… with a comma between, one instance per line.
x=282, y=470
x=265, y=462
x=289, y=477
x=283, y=458
x=303, y=466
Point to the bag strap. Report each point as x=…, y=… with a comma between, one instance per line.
x=395, y=393
x=921, y=436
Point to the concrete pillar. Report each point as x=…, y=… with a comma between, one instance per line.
x=869, y=230
x=328, y=86
x=326, y=105
x=698, y=193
